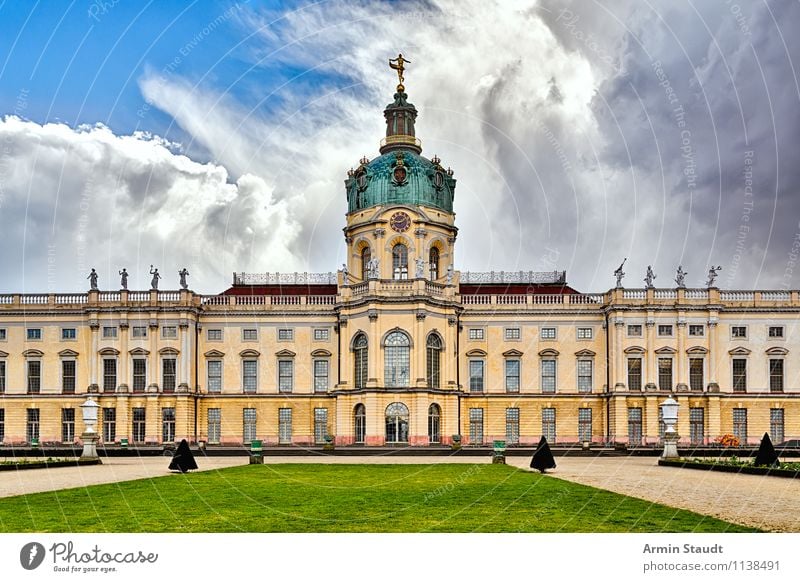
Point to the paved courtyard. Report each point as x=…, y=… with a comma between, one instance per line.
x=770, y=503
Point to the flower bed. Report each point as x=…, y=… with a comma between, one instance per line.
x=49, y=463
x=734, y=465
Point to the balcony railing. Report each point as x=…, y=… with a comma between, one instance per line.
x=284, y=278
x=518, y=277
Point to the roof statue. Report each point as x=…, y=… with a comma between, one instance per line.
x=619, y=273
x=398, y=65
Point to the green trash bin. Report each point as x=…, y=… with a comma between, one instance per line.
x=499, y=452
x=123, y=443
x=35, y=443
x=255, y=453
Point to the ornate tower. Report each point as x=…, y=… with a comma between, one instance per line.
x=400, y=220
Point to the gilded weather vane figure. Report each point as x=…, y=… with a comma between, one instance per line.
x=398, y=65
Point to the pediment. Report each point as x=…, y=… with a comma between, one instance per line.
x=214, y=354
x=33, y=353
x=666, y=350
x=740, y=351
x=285, y=354
x=549, y=353
x=68, y=354
x=139, y=352
x=110, y=352
x=321, y=354
x=476, y=353
x=777, y=351
x=585, y=354
x=634, y=350
x=168, y=351
x=512, y=354
x=249, y=353
x=696, y=351
x=3, y=354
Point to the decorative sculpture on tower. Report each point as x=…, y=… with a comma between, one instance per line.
x=619, y=273
x=345, y=275
x=419, y=271
x=183, y=273
x=123, y=278
x=680, y=276
x=649, y=277
x=398, y=65
x=712, y=275
x=373, y=267
x=154, y=280
x=449, y=276
x=93, y=280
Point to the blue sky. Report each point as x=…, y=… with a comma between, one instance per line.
x=216, y=135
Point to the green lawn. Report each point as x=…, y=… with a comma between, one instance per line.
x=348, y=498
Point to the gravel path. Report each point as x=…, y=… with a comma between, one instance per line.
x=770, y=503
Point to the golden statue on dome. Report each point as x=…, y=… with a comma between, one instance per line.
x=398, y=65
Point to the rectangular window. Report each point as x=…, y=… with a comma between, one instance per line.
x=320, y=375
x=214, y=335
x=3, y=334
x=776, y=375
x=285, y=426
x=512, y=426
x=109, y=332
x=214, y=425
x=68, y=333
x=68, y=376
x=776, y=425
x=168, y=425
x=740, y=425
x=739, y=375
x=321, y=334
x=665, y=373
x=2, y=376
x=34, y=333
x=696, y=380
x=697, y=426
x=512, y=333
x=634, y=373
x=32, y=425
x=585, y=425
x=110, y=374
x=109, y=425
x=585, y=333
x=739, y=331
x=249, y=420
x=547, y=333
x=139, y=331
x=549, y=424
x=34, y=376
x=584, y=375
x=665, y=330
x=139, y=374
x=476, y=426
x=285, y=375
x=635, y=426
x=548, y=376
x=139, y=425
x=168, y=374
x=476, y=333
x=775, y=331
x=512, y=375
x=476, y=375
x=249, y=375
x=250, y=334
x=320, y=425
x=696, y=330
x=215, y=376
x=285, y=334
x=2, y=425
x=635, y=330
x=169, y=332
x=67, y=425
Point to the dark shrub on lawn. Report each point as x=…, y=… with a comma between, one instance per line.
x=766, y=457
x=542, y=457
x=184, y=459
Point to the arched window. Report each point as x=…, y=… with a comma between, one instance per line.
x=397, y=359
x=400, y=261
x=360, y=425
x=433, y=263
x=361, y=354
x=397, y=423
x=434, y=349
x=434, y=424
x=366, y=256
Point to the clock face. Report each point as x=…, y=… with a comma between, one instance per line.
x=400, y=221
x=399, y=175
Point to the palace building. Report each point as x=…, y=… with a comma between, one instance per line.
x=400, y=346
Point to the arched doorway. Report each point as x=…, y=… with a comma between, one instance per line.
x=397, y=423
x=434, y=424
x=360, y=423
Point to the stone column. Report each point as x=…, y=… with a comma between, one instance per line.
x=374, y=349
x=420, y=349
x=449, y=354
x=650, y=372
x=152, y=359
x=346, y=370
x=618, y=371
x=124, y=357
x=182, y=371
x=682, y=384
x=94, y=325
x=713, y=352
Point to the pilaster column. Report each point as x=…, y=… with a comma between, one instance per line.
x=345, y=357
x=680, y=365
x=650, y=372
x=374, y=349
x=152, y=359
x=183, y=372
x=618, y=370
x=94, y=325
x=450, y=355
x=420, y=348
x=124, y=357
x=713, y=354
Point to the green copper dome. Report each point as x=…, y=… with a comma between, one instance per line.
x=400, y=175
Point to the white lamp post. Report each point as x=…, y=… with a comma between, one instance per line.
x=89, y=410
x=669, y=414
